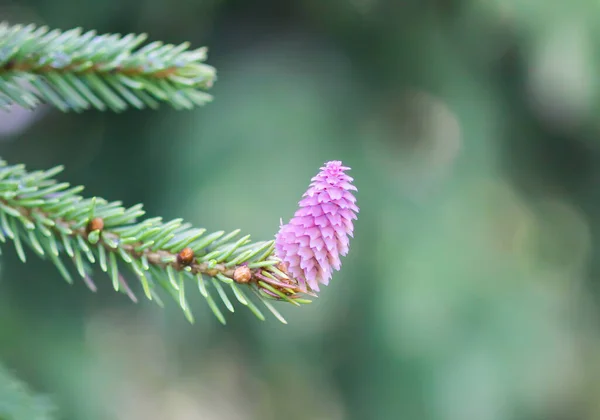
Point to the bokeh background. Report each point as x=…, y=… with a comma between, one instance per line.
x=471, y=289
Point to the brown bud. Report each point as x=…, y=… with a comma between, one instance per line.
x=97, y=223
x=185, y=256
x=242, y=274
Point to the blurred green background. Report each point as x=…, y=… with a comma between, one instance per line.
x=470, y=292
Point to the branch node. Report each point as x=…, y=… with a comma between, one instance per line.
x=242, y=274
x=185, y=256
x=97, y=223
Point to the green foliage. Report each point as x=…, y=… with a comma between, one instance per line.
x=54, y=221
x=18, y=403
x=76, y=71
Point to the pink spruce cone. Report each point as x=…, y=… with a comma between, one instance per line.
x=312, y=242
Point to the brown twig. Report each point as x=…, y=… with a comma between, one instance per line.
x=81, y=68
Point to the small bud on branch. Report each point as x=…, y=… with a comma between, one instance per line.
x=185, y=256
x=95, y=224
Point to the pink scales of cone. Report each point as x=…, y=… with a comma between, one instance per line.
x=311, y=244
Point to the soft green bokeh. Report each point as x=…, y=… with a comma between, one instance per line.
x=470, y=292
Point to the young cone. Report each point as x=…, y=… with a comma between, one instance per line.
x=311, y=244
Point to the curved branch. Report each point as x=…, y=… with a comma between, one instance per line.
x=54, y=220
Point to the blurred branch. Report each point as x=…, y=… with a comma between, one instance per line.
x=18, y=403
x=54, y=221
x=76, y=71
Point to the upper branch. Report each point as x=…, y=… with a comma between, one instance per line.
x=73, y=70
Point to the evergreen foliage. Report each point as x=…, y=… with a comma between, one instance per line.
x=57, y=224
x=75, y=71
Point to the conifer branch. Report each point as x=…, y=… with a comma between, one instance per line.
x=75, y=71
x=54, y=221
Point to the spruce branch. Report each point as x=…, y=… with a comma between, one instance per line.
x=75, y=71
x=54, y=221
